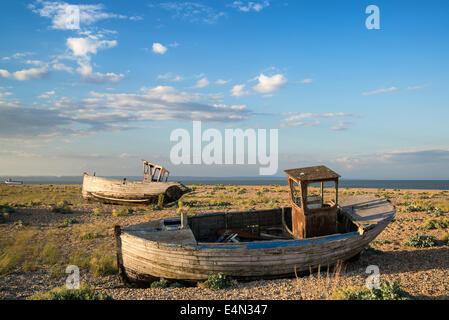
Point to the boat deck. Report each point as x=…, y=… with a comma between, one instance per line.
x=367, y=209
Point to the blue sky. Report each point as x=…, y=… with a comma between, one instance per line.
x=367, y=103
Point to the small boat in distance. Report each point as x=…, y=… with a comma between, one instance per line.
x=10, y=181
x=115, y=191
x=316, y=230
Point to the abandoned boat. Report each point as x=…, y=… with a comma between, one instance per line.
x=315, y=230
x=10, y=181
x=133, y=192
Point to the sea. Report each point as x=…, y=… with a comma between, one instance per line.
x=256, y=181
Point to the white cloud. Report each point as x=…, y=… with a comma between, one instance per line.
x=416, y=87
x=238, y=90
x=341, y=125
x=268, y=84
x=221, y=81
x=308, y=80
x=62, y=67
x=26, y=74
x=17, y=55
x=193, y=12
x=311, y=120
x=135, y=18
x=202, y=83
x=246, y=6
x=383, y=90
x=36, y=62
x=233, y=107
x=5, y=94
x=159, y=48
x=83, y=46
x=47, y=94
x=170, y=76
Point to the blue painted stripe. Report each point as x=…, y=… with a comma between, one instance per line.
x=265, y=244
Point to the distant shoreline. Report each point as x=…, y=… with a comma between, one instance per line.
x=242, y=181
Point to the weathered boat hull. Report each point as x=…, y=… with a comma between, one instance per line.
x=129, y=192
x=147, y=261
x=142, y=258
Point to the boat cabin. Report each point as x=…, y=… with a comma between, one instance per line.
x=314, y=199
x=153, y=172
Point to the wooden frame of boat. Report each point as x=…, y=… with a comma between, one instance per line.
x=133, y=192
x=188, y=251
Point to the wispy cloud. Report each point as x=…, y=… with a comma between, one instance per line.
x=383, y=90
x=193, y=11
x=170, y=76
x=105, y=111
x=46, y=95
x=17, y=55
x=239, y=90
x=221, y=81
x=201, y=83
x=247, y=6
x=417, y=87
x=61, y=13
x=312, y=120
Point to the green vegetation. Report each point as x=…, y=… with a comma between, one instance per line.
x=122, y=212
x=14, y=250
x=5, y=210
x=102, y=264
x=445, y=239
x=62, y=207
x=86, y=235
x=85, y=292
x=438, y=223
x=380, y=242
x=50, y=254
x=218, y=281
x=370, y=251
x=160, y=200
x=97, y=212
x=161, y=284
x=68, y=222
x=420, y=241
x=387, y=291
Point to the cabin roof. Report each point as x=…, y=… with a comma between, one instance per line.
x=316, y=173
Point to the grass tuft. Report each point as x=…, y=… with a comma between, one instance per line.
x=85, y=292
x=387, y=291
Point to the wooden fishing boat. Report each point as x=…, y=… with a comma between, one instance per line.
x=270, y=245
x=133, y=192
x=10, y=181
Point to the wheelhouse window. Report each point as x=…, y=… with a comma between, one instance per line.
x=321, y=194
x=295, y=192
